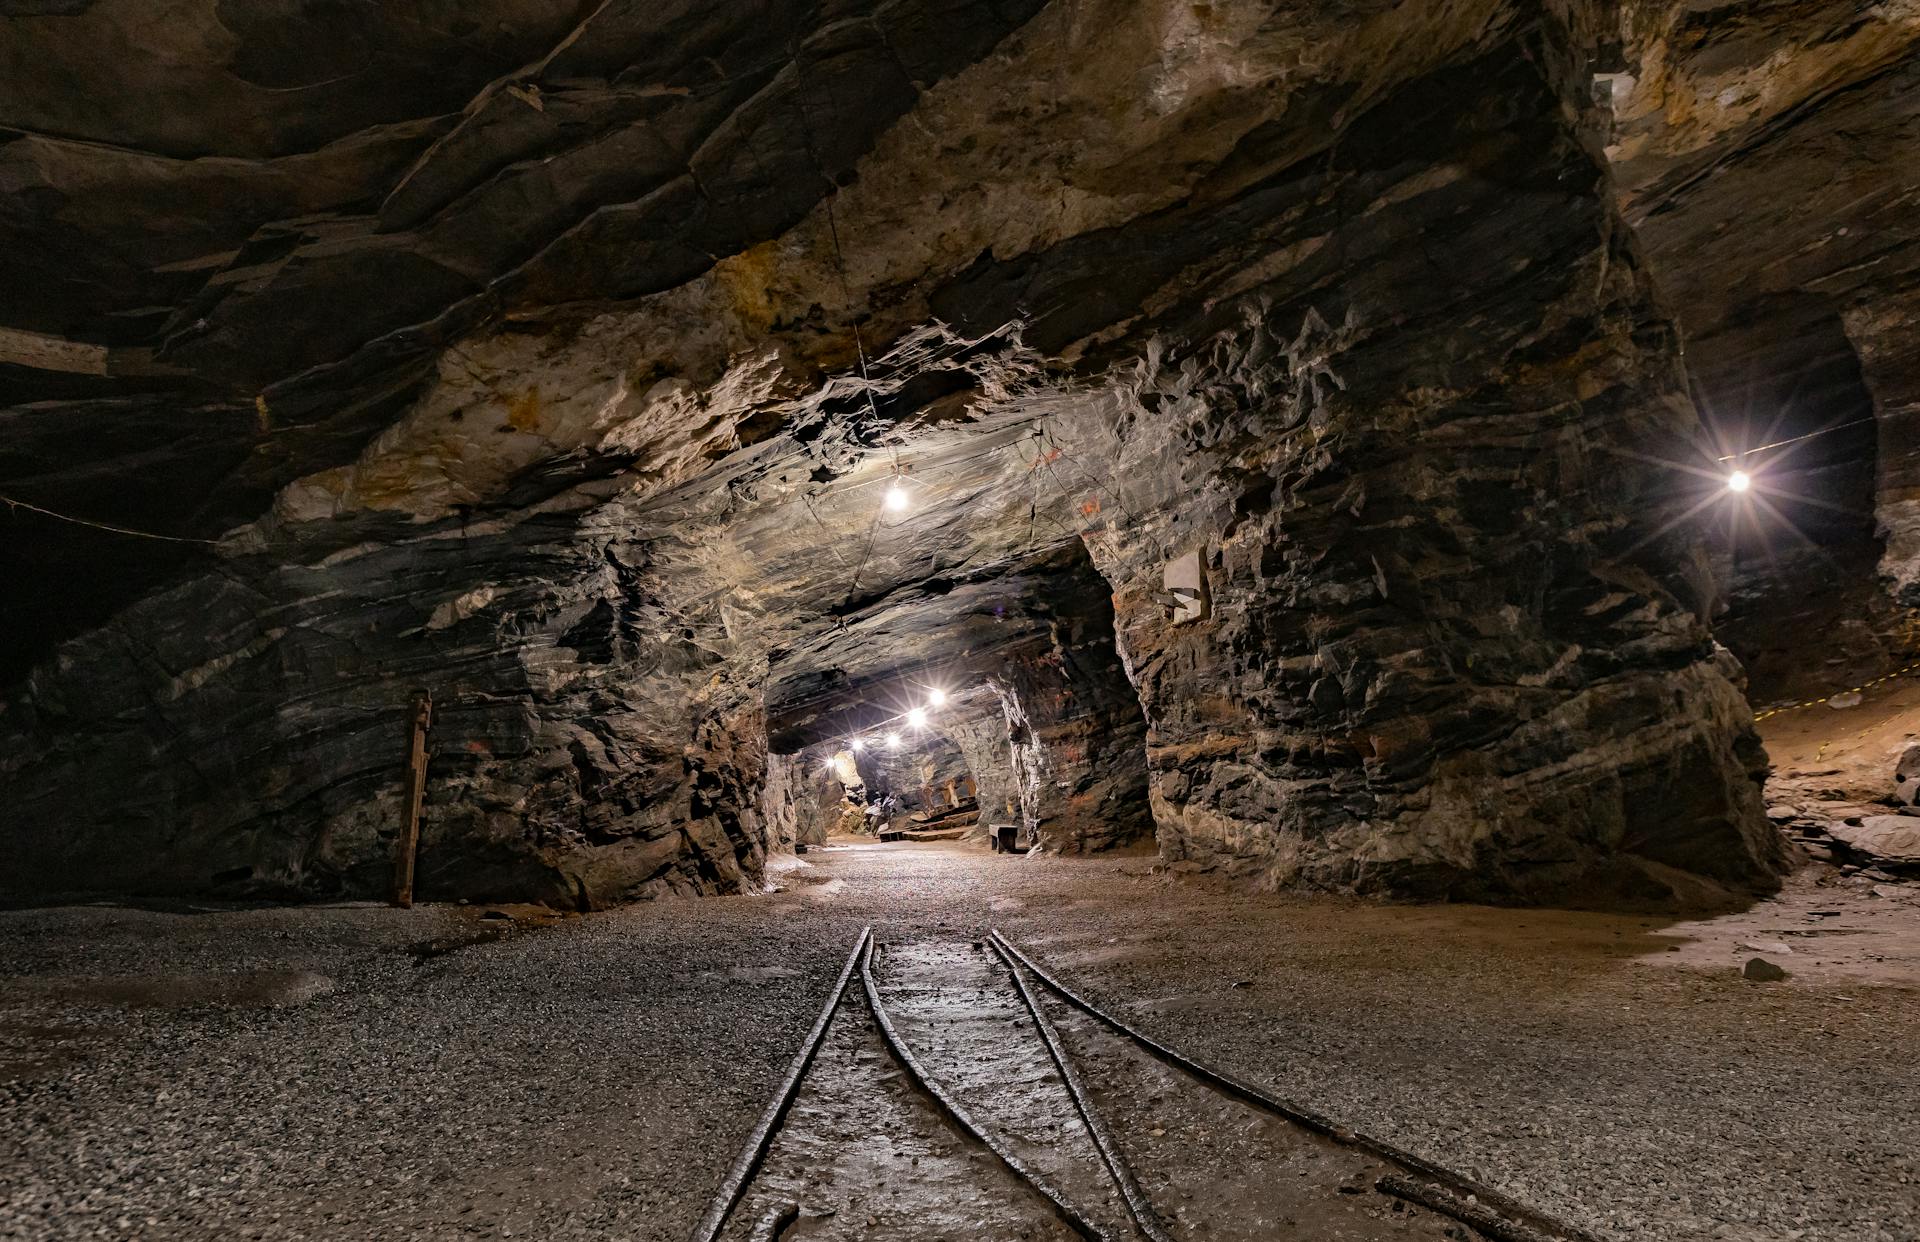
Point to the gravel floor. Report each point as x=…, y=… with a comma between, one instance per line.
x=357, y=1072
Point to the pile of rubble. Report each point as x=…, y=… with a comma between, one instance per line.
x=1873, y=844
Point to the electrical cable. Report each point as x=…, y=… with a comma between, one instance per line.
x=813, y=513
x=1745, y=453
x=833, y=234
x=846, y=294
x=13, y=502
x=1088, y=474
x=873, y=531
x=1861, y=688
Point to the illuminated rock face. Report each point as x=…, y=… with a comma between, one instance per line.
x=1038, y=707
x=548, y=397
x=1887, y=332
x=1769, y=164
x=239, y=734
x=1449, y=640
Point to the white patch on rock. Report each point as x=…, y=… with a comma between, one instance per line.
x=459, y=608
x=200, y=674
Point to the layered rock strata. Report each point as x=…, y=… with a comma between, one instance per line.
x=1769, y=162
x=1345, y=309
x=242, y=734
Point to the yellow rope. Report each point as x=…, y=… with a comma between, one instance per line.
x=1859, y=689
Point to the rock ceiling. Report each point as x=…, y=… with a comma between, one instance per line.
x=554, y=356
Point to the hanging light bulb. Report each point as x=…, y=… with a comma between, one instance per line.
x=857, y=745
x=896, y=498
x=917, y=717
x=936, y=697
x=893, y=741
x=1739, y=481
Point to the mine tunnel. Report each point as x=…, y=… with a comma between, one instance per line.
x=1014, y=727
x=960, y=620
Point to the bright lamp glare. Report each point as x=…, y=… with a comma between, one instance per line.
x=858, y=744
x=917, y=717
x=896, y=498
x=1739, y=481
x=893, y=741
x=936, y=697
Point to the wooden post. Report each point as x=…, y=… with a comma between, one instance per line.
x=409, y=843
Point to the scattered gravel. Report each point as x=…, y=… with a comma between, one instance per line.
x=358, y=1072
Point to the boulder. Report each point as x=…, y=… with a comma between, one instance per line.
x=1892, y=841
x=1906, y=773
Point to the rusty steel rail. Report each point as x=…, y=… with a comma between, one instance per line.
x=735, y=1183
x=1437, y=1198
x=1071, y=1215
x=1457, y=1187
x=1138, y=1205
x=775, y=1222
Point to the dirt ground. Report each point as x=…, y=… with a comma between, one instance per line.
x=358, y=1072
x=1849, y=750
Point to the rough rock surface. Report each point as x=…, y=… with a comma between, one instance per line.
x=1888, y=332
x=1891, y=841
x=576, y=756
x=1404, y=687
x=1768, y=159
x=1039, y=713
x=566, y=387
x=916, y=773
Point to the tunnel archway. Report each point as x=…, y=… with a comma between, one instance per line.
x=1784, y=400
x=1006, y=695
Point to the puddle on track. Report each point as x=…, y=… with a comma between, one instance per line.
x=956, y=1007
x=866, y=1155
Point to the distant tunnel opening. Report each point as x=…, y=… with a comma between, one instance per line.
x=994, y=712
x=1783, y=399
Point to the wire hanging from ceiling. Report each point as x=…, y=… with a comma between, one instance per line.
x=846, y=295
x=14, y=502
x=1761, y=448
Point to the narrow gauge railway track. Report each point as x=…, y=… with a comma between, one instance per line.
x=973, y=1095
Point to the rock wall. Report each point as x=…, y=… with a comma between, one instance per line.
x=1053, y=735
x=1887, y=336
x=1051, y=738
x=915, y=774
x=1346, y=304
x=1076, y=741
x=780, y=793
x=1038, y=708
x=245, y=733
x=799, y=803
x=984, y=744
x=1455, y=648
x=1768, y=159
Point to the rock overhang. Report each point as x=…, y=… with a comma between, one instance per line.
x=1203, y=318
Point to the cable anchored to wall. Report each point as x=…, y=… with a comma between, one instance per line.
x=13, y=502
x=1861, y=688
x=1761, y=448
